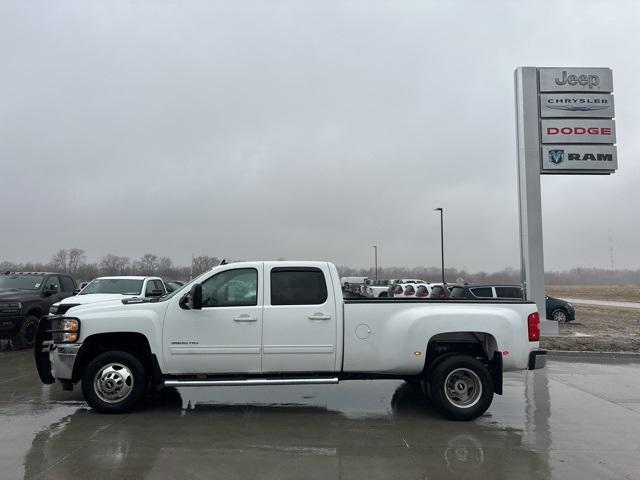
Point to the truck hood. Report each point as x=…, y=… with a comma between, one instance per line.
x=15, y=295
x=112, y=306
x=93, y=298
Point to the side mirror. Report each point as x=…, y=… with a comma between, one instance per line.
x=76, y=291
x=155, y=293
x=50, y=290
x=195, y=297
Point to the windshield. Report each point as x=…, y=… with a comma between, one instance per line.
x=122, y=286
x=21, y=282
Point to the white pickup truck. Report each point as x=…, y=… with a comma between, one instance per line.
x=286, y=323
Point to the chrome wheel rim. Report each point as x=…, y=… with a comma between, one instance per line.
x=113, y=383
x=560, y=316
x=463, y=388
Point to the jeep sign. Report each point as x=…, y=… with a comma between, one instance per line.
x=559, y=158
x=594, y=80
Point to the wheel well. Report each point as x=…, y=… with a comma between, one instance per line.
x=131, y=342
x=480, y=345
x=34, y=311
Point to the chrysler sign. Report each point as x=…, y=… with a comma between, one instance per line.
x=598, y=105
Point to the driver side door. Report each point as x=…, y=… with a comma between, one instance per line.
x=223, y=337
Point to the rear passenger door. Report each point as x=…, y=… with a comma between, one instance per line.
x=299, y=320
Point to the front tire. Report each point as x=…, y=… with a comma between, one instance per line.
x=114, y=382
x=26, y=337
x=461, y=387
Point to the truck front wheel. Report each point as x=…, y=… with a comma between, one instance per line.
x=114, y=382
x=461, y=387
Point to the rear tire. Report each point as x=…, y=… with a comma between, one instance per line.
x=461, y=387
x=114, y=382
x=26, y=337
x=560, y=316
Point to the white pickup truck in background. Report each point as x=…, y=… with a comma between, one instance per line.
x=286, y=323
x=103, y=289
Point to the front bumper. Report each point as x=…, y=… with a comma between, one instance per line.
x=63, y=358
x=537, y=359
x=10, y=324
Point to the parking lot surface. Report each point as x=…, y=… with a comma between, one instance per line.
x=578, y=418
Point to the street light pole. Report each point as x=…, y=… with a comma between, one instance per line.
x=375, y=250
x=441, y=237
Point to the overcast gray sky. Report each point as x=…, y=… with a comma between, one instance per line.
x=303, y=130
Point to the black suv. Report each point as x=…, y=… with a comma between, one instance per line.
x=24, y=298
x=557, y=309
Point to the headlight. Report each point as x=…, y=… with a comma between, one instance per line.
x=10, y=307
x=65, y=330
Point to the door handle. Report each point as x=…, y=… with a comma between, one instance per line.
x=319, y=316
x=245, y=318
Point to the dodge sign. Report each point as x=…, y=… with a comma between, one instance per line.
x=578, y=131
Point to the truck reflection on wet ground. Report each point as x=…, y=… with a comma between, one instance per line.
x=566, y=421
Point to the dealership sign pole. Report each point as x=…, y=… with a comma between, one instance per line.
x=565, y=125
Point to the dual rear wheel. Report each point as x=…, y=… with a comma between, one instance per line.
x=460, y=387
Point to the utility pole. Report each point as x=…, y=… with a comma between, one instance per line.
x=191, y=272
x=375, y=253
x=441, y=210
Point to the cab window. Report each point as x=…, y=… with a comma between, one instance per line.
x=231, y=288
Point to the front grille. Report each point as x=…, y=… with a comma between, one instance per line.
x=64, y=308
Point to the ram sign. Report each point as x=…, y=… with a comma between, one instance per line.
x=558, y=158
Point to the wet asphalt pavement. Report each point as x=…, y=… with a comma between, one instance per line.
x=577, y=419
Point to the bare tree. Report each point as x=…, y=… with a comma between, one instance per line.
x=60, y=260
x=148, y=264
x=114, y=265
x=165, y=267
x=8, y=266
x=76, y=258
x=202, y=263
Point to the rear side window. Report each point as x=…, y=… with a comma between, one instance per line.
x=482, y=292
x=67, y=284
x=457, y=292
x=159, y=286
x=508, y=292
x=298, y=286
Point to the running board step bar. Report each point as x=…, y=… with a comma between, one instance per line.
x=250, y=381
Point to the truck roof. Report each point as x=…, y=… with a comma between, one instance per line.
x=126, y=277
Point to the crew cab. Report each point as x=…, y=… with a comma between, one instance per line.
x=286, y=323
x=112, y=288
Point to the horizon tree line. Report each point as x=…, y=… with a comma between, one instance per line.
x=74, y=262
